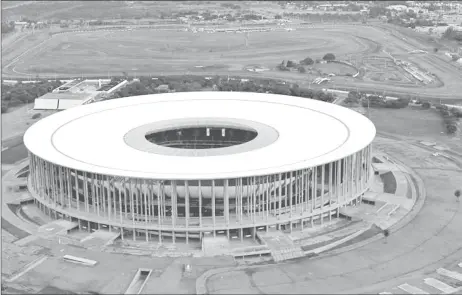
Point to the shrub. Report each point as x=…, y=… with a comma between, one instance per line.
x=456, y=112
x=307, y=61
x=426, y=105
x=301, y=69
x=329, y=57
x=36, y=116
x=451, y=128
x=290, y=64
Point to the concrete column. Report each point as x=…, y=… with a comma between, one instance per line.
x=370, y=160
x=315, y=187
x=337, y=185
x=226, y=203
x=104, y=196
x=247, y=192
x=132, y=209
x=77, y=193
x=200, y=204
x=107, y=188
x=345, y=180
x=120, y=207
x=186, y=189
x=47, y=181
x=85, y=191
x=289, y=193
x=268, y=198
x=144, y=187
x=52, y=183
x=357, y=170
x=279, y=195
x=254, y=199
x=135, y=199
x=330, y=190
x=213, y=207
x=98, y=194
x=159, y=210
x=69, y=187
x=174, y=208
x=241, y=192
x=322, y=192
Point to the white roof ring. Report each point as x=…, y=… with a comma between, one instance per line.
x=293, y=133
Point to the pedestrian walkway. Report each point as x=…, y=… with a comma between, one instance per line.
x=443, y=281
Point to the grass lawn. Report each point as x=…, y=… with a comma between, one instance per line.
x=154, y=51
x=409, y=122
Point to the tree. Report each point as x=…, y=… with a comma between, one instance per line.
x=291, y=64
x=353, y=97
x=307, y=61
x=386, y=233
x=457, y=193
x=277, y=16
x=301, y=69
x=448, y=33
x=329, y=57
x=451, y=128
x=4, y=106
x=426, y=105
x=282, y=66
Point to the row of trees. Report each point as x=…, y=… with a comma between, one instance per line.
x=147, y=85
x=377, y=101
x=450, y=115
x=300, y=66
x=20, y=93
x=325, y=17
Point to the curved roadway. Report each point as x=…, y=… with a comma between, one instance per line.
x=431, y=240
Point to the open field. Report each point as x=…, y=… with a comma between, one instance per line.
x=425, y=123
x=157, y=52
x=151, y=51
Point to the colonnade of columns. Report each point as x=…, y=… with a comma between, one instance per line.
x=191, y=207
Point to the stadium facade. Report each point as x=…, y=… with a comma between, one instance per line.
x=178, y=165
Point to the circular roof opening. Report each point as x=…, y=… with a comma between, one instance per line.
x=201, y=137
x=193, y=137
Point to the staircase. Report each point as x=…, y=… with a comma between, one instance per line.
x=287, y=253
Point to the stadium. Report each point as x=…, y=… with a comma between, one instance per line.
x=180, y=166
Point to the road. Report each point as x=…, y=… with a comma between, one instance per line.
x=430, y=241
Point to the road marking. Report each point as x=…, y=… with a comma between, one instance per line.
x=452, y=274
x=437, y=284
x=385, y=293
x=31, y=266
x=4, y=149
x=411, y=289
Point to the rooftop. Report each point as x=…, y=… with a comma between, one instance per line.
x=92, y=137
